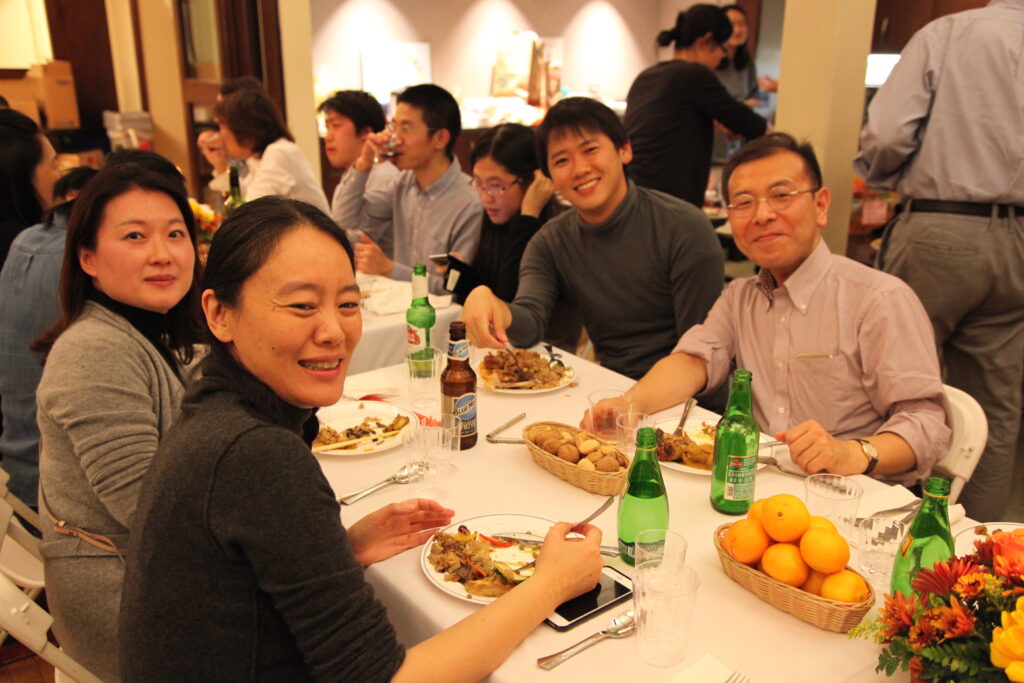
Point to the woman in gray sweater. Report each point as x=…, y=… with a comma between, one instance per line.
x=111, y=386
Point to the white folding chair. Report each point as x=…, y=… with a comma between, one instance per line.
x=970, y=433
x=20, y=560
x=24, y=619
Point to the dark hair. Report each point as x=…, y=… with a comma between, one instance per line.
x=579, y=115
x=439, y=110
x=232, y=85
x=767, y=146
x=742, y=56
x=72, y=181
x=357, y=106
x=694, y=23
x=4, y=104
x=253, y=118
x=148, y=160
x=21, y=151
x=87, y=214
x=512, y=145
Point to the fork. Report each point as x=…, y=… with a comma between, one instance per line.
x=577, y=525
x=519, y=368
x=737, y=677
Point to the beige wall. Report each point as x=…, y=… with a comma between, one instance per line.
x=821, y=91
x=296, y=58
x=122, y=54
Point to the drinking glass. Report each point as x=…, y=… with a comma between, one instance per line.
x=627, y=425
x=424, y=366
x=664, y=594
x=836, y=498
x=605, y=407
x=431, y=449
x=878, y=542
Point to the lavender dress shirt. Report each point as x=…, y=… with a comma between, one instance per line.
x=840, y=343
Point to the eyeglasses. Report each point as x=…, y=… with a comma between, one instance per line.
x=745, y=205
x=492, y=189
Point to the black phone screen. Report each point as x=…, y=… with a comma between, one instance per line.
x=606, y=593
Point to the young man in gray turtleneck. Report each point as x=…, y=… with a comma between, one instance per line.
x=641, y=266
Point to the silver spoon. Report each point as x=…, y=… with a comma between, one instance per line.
x=409, y=473
x=620, y=627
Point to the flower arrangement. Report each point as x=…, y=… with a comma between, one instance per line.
x=966, y=621
x=207, y=220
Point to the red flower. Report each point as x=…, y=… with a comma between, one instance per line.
x=955, y=621
x=898, y=614
x=916, y=669
x=940, y=579
x=923, y=633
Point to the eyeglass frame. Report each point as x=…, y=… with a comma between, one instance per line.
x=493, y=190
x=785, y=197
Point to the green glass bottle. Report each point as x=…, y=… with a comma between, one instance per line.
x=644, y=504
x=420, y=316
x=234, y=198
x=736, y=443
x=928, y=540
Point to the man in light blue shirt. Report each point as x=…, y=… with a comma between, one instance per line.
x=432, y=207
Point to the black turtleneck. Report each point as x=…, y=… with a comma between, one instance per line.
x=151, y=325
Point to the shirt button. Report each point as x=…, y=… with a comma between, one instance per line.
x=779, y=363
x=781, y=409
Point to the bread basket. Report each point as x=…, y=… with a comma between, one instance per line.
x=823, y=613
x=603, y=483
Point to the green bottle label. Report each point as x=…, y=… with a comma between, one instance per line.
x=739, y=477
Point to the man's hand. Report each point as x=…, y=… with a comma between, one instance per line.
x=370, y=258
x=372, y=151
x=396, y=527
x=486, y=317
x=537, y=195
x=212, y=148
x=815, y=450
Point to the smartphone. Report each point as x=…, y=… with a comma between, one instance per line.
x=613, y=588
x=439, y=259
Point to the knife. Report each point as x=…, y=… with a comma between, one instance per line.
x=770, y=460
x=492, y=437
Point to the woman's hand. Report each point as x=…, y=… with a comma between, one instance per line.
x=396, y=527
x=537, y=195
x=572, y=566
x=212, y=148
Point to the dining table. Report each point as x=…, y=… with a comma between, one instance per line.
x=732, y=626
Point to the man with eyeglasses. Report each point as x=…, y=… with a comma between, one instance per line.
x=845, y=369
x=432, y=208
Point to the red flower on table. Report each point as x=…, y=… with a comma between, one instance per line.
x=1008, y=554
x=940, y=579
x=898, y=614
x=970, y=585
x=916, y=669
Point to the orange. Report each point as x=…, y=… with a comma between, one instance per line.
x=824, y=551
x=819, y=522
x=782, y=561
x=813, y=582
x=755, y=510
x=784, y=517
x=845, y=586
x=746, y=541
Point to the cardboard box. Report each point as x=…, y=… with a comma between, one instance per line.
x=55, y=93
x=21, y=95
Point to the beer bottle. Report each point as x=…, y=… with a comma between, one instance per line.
x=420, y=316
x=928, y=540
x=736, y=443
x=458, y=385
x=234, y=198
x=644, y=504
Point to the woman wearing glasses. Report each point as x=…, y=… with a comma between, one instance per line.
x=672, y=108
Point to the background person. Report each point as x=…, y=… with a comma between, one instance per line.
x=110, y=389
x=28, y=170
x=239, y=565
x=672, y=107
x=253, y=130
x=210, y=143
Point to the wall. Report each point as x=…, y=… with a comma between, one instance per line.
x=122, y=54
x=463, y=33
x=25, y=38
x=300, y=105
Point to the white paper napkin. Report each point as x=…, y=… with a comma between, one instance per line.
x=358, y=386
x=895, y=496
x=707, y=669
x=384, y=296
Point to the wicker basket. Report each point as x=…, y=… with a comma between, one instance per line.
x=827, y=614
x=604, y=483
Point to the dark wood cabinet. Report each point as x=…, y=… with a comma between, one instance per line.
x=896, y=21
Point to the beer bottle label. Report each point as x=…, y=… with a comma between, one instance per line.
x=462, y=407
x=417, y=338
x=458, y=350
x=739, y=477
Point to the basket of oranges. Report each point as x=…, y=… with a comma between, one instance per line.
x=795, y=561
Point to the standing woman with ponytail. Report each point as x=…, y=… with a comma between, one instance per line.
x=672, y=107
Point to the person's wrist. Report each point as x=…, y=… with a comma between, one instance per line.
x=868, y=453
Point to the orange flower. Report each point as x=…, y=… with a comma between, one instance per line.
x=1008, y=553
x=970, y=585
x=956, y=621
x=940, y=579
x=916, y=669
x=898, y=614
x=923, y=633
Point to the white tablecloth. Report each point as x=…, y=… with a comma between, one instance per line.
x=730, y=623
x=385, y=342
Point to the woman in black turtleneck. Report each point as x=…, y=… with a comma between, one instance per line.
x=111, y=387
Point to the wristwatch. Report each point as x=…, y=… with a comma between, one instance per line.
x=871, y=452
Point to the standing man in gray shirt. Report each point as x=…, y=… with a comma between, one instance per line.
x=433, y=209
x=640, y=265
x=947, y=130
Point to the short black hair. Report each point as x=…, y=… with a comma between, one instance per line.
x=21, y=151
x=695, y=22
x=579, y=115
x=241, y=83
x=357, y=106
x=253, y=118
x=72, y=181
x=439, y=110
x=767, y=146
x=146, y=159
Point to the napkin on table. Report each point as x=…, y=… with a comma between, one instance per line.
x=707, y=669
x=357, y=386
x=384, y=296
x=895, y=496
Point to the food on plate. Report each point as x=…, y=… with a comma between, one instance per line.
x=699, y=454
x=487, y=566
x=370, y=431
x=579, y=447
x=782, y=540
x=497, y=369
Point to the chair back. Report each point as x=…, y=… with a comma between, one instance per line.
x=970, y=434
x=20, y=560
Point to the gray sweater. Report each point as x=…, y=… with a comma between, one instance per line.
x=640, y=279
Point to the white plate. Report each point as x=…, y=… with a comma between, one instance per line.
x=568, y=378
x=963, y=542
x=693, y=428
x=523, y=526
x=346, y=414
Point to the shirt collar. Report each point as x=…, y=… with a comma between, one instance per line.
x=622, y=215
x=450, y=176
x=802, y=284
